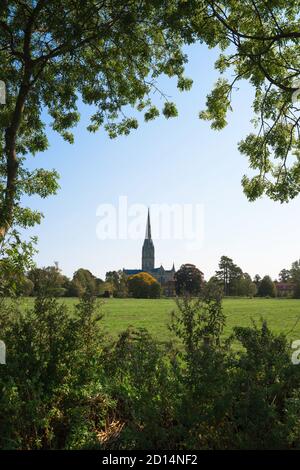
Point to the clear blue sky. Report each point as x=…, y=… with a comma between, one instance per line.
x=165, y=161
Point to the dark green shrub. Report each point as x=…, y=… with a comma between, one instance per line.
x=202, y=372
x=143, y=286
x=65, y=387
x=142, y=386
x=265, y=383
x=52, y=377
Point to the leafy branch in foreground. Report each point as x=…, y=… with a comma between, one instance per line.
x=108, y=53
x=111, y=53
x=262, y=44
x=15, y=258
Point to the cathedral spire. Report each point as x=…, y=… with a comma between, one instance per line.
x=148, y=226
x=148, y=248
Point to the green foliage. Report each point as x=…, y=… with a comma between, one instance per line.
x=213, y=288
x=233, y=280
x=198, y=323
x=110, y=54
x=204, y=379
x=228, y=273
x=66, y=387
x=243, y=286
x=259, y=42
x=266, y=288
x=170, y=110
x=284, y=275
x=84, y=281
x=295, y=278
x=188, y=280
x=118, y=281
x=184, y=84
x=142, y=390
x=152, y=113
x=25, y=287
x=48, y=281
x=15, y=258
x=264, y=391
x=49, y=392
x=143, y=286
x=217, y=103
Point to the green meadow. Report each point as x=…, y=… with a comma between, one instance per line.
x=282, y=315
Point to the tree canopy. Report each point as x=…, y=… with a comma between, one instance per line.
x=84, y=282
x=47, y=281
x=233, y=280
x=266, y=287
x=51, y=53
x=228, y=273
x=143, y=286
x=259, y=42
x=118, y=281
x=188, y=280
x=111, y=53
x=295, y=278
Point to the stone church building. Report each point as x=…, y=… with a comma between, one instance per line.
x=163, y=276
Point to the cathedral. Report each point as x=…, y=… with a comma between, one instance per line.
x=163, y=276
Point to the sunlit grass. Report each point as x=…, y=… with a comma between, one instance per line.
x=282, y=315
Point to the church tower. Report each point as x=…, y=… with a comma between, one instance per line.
x=148, y=249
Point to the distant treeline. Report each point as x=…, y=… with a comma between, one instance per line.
x=188, y=280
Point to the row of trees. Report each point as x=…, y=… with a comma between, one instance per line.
x=237, y=283
x=188, y=280
x=50, y=281
x=234, y=282
x=229, y=278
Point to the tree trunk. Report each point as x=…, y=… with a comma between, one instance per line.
x=12, y=164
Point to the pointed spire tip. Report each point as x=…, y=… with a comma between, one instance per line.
x=148, y=226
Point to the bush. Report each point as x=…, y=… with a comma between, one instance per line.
x=50, y=395
x=264, y=385
x=66, y=387
x=143, y=286
x=142, y=387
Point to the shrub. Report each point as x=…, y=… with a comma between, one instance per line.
x=202, y=372
x=143, y=389
x=143, y=286
x=66, y=387
x=49, y=386
x=264, y=384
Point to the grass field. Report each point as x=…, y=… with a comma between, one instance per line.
x=282, y=315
